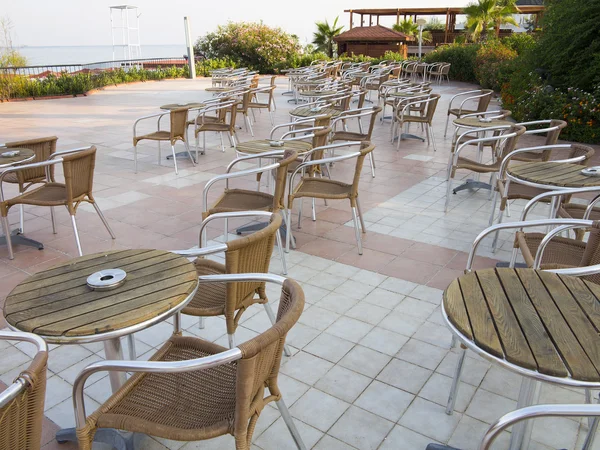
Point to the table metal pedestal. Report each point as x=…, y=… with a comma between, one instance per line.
x=17, y=238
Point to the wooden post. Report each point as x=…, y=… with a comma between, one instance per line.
x=351, y=13
x=362, y=20
x=398, y=17
x=370, y=20
x=447, y=23
x=377, y=20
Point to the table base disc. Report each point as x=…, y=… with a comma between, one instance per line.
x=472, y=184
x=182, y=155
x=409, y=136
x=18, y=239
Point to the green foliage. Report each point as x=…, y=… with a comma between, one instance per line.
x=460, y=56
x=252, y=45
x=493, y=63
x=323, y=37
x=486, y=15
x=520, y=42
x=410, y=28
x=435, y=24
x=205, y=66
x=17, y=86
x=570, y=43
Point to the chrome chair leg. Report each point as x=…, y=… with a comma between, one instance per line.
x=104, y=221
x=21, y=218
x=74, y=223
x=131, y=347
x=372, y=161
x=53, y=219
x=187, y=148
x=201, y=323
x=222, y=144
x=287, y=418
x=281, y=253
x=360, y=216
x=357, y=230
x=226, y=230
x=446, y=128
x=174, y=159
x=456, y=381
x=314, y=210
x=6, y=229
x=231, y=339
x=288, y=223
x=300, y=213
x=159, y=149
x=135, y=158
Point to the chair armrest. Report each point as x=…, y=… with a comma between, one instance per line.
x=25, y=167
x=559, y=193
x=151, y=116
x=272, y=153
x=145, y=366
x=546, y=240
x=227, y=215
x=520, y=225
x=190, y=253
x=315, y=162
x=480, y=140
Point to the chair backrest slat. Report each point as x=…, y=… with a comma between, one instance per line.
x=43, y=148
x=78, y=171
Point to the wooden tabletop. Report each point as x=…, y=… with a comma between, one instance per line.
x=407, y=94
x=307, y=111
x=221, y=88
x=317, y=93
x=25, y=155
x=474, y=122
x=553, y=174
x=263, y=145
x=171, y=106
x=536, y=320
x=57, y=303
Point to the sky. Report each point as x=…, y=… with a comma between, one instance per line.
x=87, y=22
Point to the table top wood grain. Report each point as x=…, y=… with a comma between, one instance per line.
x=263, y=145
x=553, y=174
x=474, y=122
x=190, y=105
x=308, y=111
x=539, y=321
x=57, y=303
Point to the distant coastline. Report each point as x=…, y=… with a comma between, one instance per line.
x=81, y=54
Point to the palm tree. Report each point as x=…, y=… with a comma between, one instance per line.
x=408, y=27
x=323, y=37
x=488, y=14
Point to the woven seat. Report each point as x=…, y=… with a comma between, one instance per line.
x=225, y=397
x=461, y=112
x=469, y=164
x=242, y=200
x=322, y=188
x=78, y=169
x=154, y=136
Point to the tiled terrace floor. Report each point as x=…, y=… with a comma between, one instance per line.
x=371, y=366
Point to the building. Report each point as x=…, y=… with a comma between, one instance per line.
x=371, y=41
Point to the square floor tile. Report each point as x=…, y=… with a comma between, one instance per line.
x=384, y=298
x=365, y=361
x=361, y=429
x=437, y=390
x=329, y=347
x=350, y=329
x=318, y=409
x=422, y=354
x=277, y=436
x=343, y=383
x=401, y=438
x=306, y=368
x=430, y=419
x=384, y=400
x=489, y=407
x=368, y=312
x=384, y=341
x=404, y=375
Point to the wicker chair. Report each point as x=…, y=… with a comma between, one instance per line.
x=360, y=136
x=214, y=118
x=22, y=402
x=507, y=191
x=268, y=105
x=192, y=389
x=422, y=110
x=177, y=132
x=78, y=168
x=481, y=96
x=250, y=254
x=505, y=143
x=44, y=148
x=325, y=188
x=234, y=200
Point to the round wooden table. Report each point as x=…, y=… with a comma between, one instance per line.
x=538, y=324
x=58, y=305
x=550, y=175
x=304, y=112
x=475, y=122
x=263, y=145
x=172, y=106
x=25, y=155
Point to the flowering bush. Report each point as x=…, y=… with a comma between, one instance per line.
x=252, y=45
x=491, y=62
x=460, y=56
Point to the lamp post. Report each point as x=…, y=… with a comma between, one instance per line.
x=420, y=22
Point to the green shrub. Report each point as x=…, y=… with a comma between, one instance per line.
x=520, y=42
x=493, y=64
x=252, y=45
x=460, y=56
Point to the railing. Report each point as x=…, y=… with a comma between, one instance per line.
x=96, y=67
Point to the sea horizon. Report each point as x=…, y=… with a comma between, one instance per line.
x=38, y=55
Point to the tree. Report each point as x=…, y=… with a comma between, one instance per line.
x=408, y=27
x=486, y=15
x=323, y=37
x=9, y=57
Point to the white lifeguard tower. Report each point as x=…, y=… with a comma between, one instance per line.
x=125, y=30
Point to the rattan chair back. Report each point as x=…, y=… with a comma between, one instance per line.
x=431, y=106
x=78, y=171
x=365, y=149
x=21, y=418
x=43, y=149
x=248, y=254
x=280, y=179
x=178, y=120
x=484, y=101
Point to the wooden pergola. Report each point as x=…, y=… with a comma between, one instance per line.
x=525, y=7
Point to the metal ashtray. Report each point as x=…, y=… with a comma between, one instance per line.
x=11, y=154
x=485, y=120
x=591, y=171
x=276, y=143
x=105, y=280
x=315, y=109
